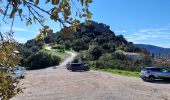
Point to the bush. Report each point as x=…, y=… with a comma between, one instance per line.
x=95, y=51
x=8, y=86
x=61, y=48
x=67, y=45
x=119, y=55
x=80, y=45
x=42, y=59
x=58, y=47
x=107, y=61
x=35, y=48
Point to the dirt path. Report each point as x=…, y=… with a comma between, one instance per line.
x=61, y=84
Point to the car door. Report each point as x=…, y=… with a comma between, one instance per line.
x=167, y=74
x=156, y=72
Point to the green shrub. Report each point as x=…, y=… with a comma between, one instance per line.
x=58, y=47
x=79, y=44
x=8, y=86
x=107, y=61
x=67, y=45
x=42, y=59
x=95, y=51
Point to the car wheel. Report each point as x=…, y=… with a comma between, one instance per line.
x=144, y=79
x=73, y=70
x=22, y=77
x=86, y=69
x=151, y=78
x=68, y=68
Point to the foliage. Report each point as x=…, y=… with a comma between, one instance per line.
x=34, y=56
x=8, y=58
x=8, y=86
x=7, y=55
x=107, y=61
x=61, y=11
x=93, y=34
x=161, y=63
x=120, y=56
x=120, y=72
x=33, y=42
x=95, y=51
x=111, y=61
x=42, y=59
x=79, y=44
x=67, y=45
x=62, y=54
x=59, y=46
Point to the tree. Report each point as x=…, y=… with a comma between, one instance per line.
x=79, y=44
x=31, y=12
x=8, y=58
x=95, y=51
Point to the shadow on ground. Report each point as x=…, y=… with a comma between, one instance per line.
x=161, y=82
x=79, y=71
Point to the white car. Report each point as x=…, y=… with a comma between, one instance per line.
x=152, y=73
x=19, y=72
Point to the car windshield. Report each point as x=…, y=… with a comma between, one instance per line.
x=155, y=69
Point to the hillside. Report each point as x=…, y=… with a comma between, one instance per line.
x=96, y=44
x=92, y=34
x=157, y=51
x=99, y=47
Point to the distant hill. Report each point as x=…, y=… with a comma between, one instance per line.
x=157, y=51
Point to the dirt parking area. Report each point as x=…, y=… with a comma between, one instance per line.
x=61, y=84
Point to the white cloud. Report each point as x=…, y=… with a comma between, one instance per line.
x=20, y=34
x=145, y=34
x=20, y=39
x=156, y=36
x=7, y=28
x=17, y=29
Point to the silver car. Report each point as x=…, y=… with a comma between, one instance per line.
x=152, y=73
x=19, y=72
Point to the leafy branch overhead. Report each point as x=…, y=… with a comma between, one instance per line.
x=60, y=11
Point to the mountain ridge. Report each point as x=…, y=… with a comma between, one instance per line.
x=156, y=50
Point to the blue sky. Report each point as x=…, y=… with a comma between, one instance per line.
x=140, y=21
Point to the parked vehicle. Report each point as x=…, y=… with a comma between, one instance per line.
x=19, y=72
x=152, y=73
x=77, y=66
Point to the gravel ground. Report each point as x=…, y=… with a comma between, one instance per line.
x=61, y=84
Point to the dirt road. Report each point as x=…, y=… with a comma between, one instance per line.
x=60, y=84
